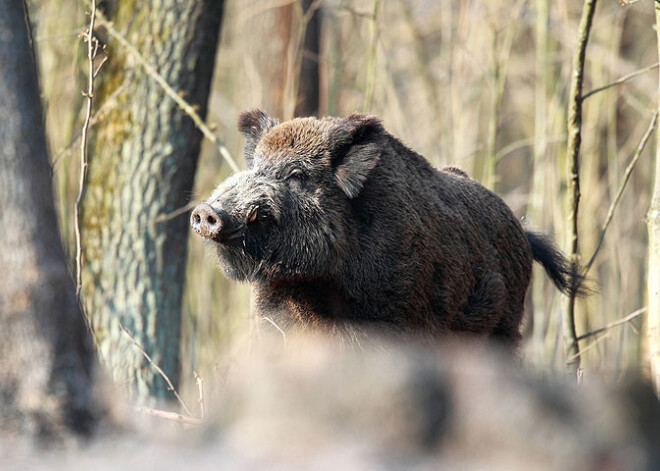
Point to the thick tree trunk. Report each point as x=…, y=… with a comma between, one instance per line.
x=45, y=353
x=142, y=164
x=653, y=219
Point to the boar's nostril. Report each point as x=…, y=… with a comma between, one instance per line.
x=211, y=220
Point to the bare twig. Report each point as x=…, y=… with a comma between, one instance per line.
x=163, y=414
x=169, y=91
x=158, y=369
x=173, y=214
x=573, y=154
x=621, y=80
x=92, y=49
x=585, y=349
x=371, y=61
x=68, y=150
x=279, y=329
x=522, y=143
x=200, y=389
x=624, y=320
x=626, y=177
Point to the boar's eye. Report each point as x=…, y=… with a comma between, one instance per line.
x=252, y=215
x=296, y=175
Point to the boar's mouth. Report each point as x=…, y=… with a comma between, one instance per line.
x=233, y=238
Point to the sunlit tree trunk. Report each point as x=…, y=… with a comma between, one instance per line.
x=143, y=156
x=46, y=357
x=653, y=218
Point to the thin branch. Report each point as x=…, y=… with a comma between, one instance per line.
x=98, y=69
x=173, y=214
x=624, y=320
x=163, y=414
x=158, y=369
x=621, y=80
x=522, y=143
x=279, y=329
x=92, y=49
x=573, y=154
x=68, y=150
x=615, y=202
x=169, y=91
x=585, y=349
x=371, y=61
x=200, y=389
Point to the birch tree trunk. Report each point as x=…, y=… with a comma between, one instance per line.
x=143, y=157
x=653, y=218
x=46, y=357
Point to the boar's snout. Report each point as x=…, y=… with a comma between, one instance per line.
x=212, y=224
x=206, y=221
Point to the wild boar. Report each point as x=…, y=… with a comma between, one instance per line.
x=339, y=227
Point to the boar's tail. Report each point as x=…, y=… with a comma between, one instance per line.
x=566, y=276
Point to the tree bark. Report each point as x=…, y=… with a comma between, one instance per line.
x=143, y=157
x=653, y=220
x=47, y=358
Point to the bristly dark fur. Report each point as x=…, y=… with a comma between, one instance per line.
x=561, y=271
x=339, y=227
x=253, y=124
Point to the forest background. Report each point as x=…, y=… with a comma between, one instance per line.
x=483, y=85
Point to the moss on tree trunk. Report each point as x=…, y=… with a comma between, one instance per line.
x=143, y=157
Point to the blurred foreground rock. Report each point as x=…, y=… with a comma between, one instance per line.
x=311, y=406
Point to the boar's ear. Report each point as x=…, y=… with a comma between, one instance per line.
x=253, y=124
x=355, y=143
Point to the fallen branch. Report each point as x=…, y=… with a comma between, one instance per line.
x=163, y=414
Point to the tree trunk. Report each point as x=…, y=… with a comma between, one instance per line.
x=307, y=102
x=284, y=52
x=267, y=50
x=47, y=359
x=143, y=157
x=653, y=218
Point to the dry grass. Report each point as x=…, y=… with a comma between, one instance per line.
x=474, y=83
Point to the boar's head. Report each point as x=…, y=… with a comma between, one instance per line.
x=288, y=216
